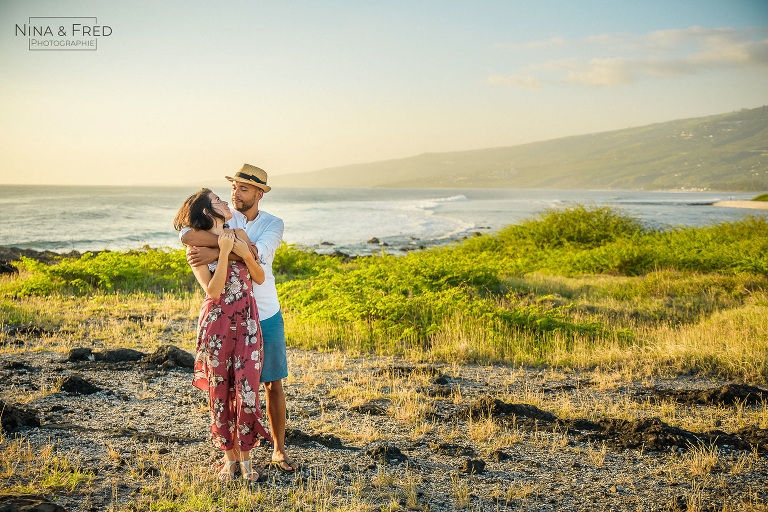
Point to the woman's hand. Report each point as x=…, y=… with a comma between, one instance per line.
x=241, y=248
x=226, y=241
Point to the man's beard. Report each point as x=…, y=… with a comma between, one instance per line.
x=245, y=205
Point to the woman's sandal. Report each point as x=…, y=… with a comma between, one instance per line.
x=248, y=472
x=227, y=472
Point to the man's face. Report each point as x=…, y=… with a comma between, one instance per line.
x=244, y=196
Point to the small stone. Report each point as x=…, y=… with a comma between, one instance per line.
x=472, y=467
x=77, y=385
x=387, y=454
x=499, y=456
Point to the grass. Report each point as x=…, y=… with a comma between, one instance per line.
x=582, y=289
x=26, y=468
x=579, y=287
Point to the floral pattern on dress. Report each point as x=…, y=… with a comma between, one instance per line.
x=228, y=362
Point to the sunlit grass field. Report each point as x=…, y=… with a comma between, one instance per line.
x=581, y=287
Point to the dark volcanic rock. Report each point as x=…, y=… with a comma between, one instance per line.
x=500, y=456
x=438, y=391
x=386, y=453
x=18, y=366
x=647, y=433
x=25, y=330
x=7, y=268
x=369, y=408
x=297, y=437
x=724, y=395
x=752, y=437
x=27, y=503
x=119, y=355
x=80, y=354
x=169, y=356
x=452, y=450
x=79, y=386
x=441, y=381
x=373, y=240
x=344, y=256
x=9, y=254
x=12, y=417
x=487, y=405
x=472, y=467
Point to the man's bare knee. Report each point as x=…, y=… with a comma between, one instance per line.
x=274, y=388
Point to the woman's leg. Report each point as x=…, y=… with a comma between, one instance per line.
x=249, y=472
x=227, y=471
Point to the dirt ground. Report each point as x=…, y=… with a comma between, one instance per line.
x=399, y=435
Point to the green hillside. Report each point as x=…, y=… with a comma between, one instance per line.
x=720, y=152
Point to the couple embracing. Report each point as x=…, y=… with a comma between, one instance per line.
x=240, y=335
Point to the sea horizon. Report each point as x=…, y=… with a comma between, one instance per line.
x=120, y=217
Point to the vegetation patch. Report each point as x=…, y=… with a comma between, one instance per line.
x=582, y=286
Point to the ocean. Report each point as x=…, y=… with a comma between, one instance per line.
x=66, y=218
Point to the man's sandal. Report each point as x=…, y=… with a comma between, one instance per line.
x=248, y=472
x=227, y=472
x=279, y=465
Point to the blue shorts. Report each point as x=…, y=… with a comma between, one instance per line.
x=275, y=360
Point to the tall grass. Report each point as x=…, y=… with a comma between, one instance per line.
x=580, y=286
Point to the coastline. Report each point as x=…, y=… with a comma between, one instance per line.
x=753, y=205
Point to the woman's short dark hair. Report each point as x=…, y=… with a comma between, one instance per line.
x=197, y=212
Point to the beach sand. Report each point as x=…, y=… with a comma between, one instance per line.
x=754, y=205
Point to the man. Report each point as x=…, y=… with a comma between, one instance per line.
x=265, y=232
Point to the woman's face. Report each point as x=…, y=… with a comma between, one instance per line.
x=220, y=206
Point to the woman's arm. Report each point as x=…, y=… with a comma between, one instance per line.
x=242, y=248
x=202, y=247
x=214, y=284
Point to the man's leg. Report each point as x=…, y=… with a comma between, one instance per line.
x=274, y=370
x=276, y=411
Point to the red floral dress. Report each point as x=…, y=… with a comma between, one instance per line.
x=228, y=362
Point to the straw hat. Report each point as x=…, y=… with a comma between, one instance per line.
x=253, y=176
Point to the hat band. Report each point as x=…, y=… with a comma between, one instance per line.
x=251, y=177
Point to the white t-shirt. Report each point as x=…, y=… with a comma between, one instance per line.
x=266, y=233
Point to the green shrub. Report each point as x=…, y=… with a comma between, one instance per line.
x=581, y=226
x=151, y=270
x=292, y=262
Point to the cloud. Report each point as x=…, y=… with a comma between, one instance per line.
x=659, y=54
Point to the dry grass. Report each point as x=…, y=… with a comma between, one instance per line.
x=142, y=321
x=681, y=322
x=27, y=468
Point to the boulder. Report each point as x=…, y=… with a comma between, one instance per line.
x=169, y=356
x=28, y=503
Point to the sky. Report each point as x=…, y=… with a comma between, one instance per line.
x=182, y=91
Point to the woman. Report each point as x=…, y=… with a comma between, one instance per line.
x=229, y=342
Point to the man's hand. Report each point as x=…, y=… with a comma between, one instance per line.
x=197, y=256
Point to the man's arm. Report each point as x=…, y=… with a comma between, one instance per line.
x=203, y=247
x=269, y=240
x=200, y=238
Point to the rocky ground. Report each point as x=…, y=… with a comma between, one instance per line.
x=387, y=434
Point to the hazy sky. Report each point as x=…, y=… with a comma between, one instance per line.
x=182, y=92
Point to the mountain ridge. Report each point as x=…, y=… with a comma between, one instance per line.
x=726, y=152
